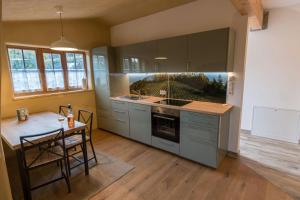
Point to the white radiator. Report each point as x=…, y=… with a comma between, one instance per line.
x=279, y=124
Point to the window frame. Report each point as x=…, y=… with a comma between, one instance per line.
x=42, y=73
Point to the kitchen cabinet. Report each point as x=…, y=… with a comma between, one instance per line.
x=140, y=122
x=103, y=65
x=211, y=51
x=173, y=54
x=204, y=137
x=136, y=58
x=120, y=122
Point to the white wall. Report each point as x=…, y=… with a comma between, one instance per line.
x=272, y=74
x=193, y=17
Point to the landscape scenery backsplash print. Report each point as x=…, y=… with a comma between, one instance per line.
x=211, y=87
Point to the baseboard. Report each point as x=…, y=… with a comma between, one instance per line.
x=232, y=154
x=244, y=131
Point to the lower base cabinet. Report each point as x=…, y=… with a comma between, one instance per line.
x=199, y=151
x=120, y=120
x=140, y=122
x=166, y=145
x=203, y=137
x=121, y=127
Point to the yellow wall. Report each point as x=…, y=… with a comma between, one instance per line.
x=86, y=34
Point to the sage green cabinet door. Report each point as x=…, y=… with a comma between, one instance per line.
x=197, y=149
x=208, y=51
x=199, y=137
x=173, y=54
x=140, y=122
x=136, y=58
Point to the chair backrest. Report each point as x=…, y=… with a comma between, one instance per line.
x=86, y=117
x=34, y=147
x=63, y=110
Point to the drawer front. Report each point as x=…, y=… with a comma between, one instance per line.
x=199, y=151
x=165, y=145
x=199, y=132
x=120, y=115
x=121, y=127
x=200, y=119
x=139, y=107
x=119, y=105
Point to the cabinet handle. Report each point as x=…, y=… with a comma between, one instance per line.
x=187, y=67
x=161, y=117
x=122, y=121
x=202, y=140
x=118, y=102
x=140, y=109
x=119, y=111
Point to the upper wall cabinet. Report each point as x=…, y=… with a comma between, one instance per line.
x=172, y=54
x=136, y=58
x=211, y=51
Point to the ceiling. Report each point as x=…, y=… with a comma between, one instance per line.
x=111, y=12
x=268, y=4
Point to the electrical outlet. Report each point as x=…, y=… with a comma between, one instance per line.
x=163, y=92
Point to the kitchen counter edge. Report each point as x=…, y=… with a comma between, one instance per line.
x=194, y=106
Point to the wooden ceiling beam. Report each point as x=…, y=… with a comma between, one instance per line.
x=252, y=8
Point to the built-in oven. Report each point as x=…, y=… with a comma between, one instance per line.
x=165, y=123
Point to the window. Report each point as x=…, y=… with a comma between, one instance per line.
x=24, y=70
x=54, y=71
x=39, y=70
x=76, y=72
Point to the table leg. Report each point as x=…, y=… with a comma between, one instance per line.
x=26, y=193
x=86, y=162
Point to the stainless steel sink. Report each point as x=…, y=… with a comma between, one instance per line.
x=133, y=97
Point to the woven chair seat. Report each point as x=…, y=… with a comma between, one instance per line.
x=43, y=156
x=73, y=140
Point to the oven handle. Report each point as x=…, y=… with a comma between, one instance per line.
x=161, y=117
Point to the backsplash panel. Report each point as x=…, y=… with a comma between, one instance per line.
x=211, y=87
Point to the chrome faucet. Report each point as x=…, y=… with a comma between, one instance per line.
x=137, y=92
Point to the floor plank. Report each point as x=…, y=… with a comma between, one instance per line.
x=277, y=161
x=161, y=175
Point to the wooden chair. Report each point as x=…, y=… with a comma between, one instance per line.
x=74, y=141
x=38, y=154
x=63, y=110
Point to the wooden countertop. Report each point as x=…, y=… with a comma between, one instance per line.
x=194, y=106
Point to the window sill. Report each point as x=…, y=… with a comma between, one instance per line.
x=50, y=94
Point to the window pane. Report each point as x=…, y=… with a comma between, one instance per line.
x=76, y=71
x=30, y=59
x=16, y=58
x=48, y=61
x=56, y=61
x=24, y=69
x=53, y=71
x=70, y=60
x=79, y=61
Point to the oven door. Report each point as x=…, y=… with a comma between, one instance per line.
x=165, y=126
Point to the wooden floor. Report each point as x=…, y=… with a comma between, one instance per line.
x=160, y=175
x=277, y=161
